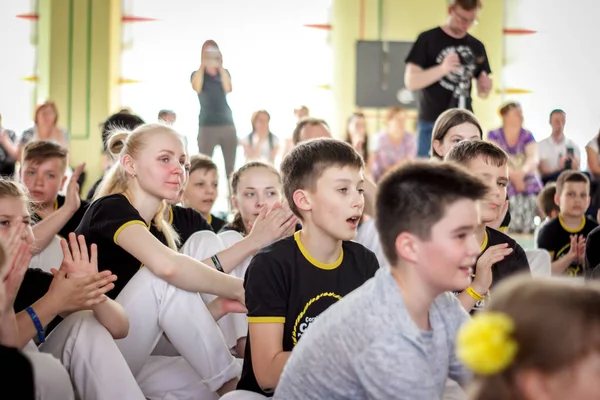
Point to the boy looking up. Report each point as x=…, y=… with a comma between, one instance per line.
x=291, y=282
x=394, y=336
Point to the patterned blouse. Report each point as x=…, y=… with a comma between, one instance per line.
x=387, y=152
x=517, y=158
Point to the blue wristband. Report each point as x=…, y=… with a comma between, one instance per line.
x=37, y=323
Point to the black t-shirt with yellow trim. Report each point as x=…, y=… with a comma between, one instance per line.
x=101, y=224
x=555, y=238
x=72, y=223
x=516, y=262
x=284, y=284
x=216, y=223
x=186, y=221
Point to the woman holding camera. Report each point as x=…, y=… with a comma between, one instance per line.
x=212, y=83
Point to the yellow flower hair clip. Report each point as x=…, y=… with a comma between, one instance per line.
x=485, y=345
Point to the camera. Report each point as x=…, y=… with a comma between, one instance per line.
x=569, y=161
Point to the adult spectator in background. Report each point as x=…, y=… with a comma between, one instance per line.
x=9, y=151
x=524, y=185
x=261, y=144
x=557, y=152
x=393, y=145
x=310, y=128
x=357, y=135
x=167, y=117
x=301, y=113
x=46, y=127
x=212, y=82
x=441, y=65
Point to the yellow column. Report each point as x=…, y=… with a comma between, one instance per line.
x=78, y=68
x=402, y=20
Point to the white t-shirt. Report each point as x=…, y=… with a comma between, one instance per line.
x=551, y=152
x=593, y=144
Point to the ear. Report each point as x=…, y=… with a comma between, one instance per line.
x=533, y=385
x=437, y=147
x=557, y=199
x=128, y=164
x=62, y=182
x=407, y=247
x=302, y=200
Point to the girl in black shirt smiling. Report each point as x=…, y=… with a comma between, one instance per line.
x=163, y=296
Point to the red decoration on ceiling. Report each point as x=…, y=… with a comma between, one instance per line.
x=31, y=17
x=517, y=31
x=319, y=26
x=131, y=18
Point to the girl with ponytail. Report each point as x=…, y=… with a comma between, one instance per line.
x=159, y=287
x=538, y=340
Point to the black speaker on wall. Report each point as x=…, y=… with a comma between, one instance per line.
x=380, y=74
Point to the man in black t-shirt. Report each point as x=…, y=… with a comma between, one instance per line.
x=291, y=282
x=564, y=237
x=441, y=65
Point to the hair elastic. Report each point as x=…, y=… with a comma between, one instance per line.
x=217, y=263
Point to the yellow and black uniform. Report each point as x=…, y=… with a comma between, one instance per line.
x=72, y=223
x=186, y=221
x=555, y=237
x=215, y=222
x=514, y=263
x=102, y=224
x=284, y=284
x=592, y=254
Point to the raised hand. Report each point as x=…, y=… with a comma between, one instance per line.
x=76, y=261
x=273, y=224
x=72, y=199
x=17, y=262
x=74, y=294
x=581, y=249
x=483, y=269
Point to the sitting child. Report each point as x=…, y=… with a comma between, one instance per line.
x=535, y=341
x=395, y=334
x=564, y=237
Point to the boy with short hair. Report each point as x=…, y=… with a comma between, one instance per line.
x=202, y=189
x=500, y=256
x=564, y=237
x=43, y=173
x=547, y=206
x=394, y=336
x=291, y=282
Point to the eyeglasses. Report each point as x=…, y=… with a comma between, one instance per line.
x=465, y=20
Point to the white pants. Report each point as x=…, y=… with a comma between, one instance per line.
x=204, y=244
x=156, y=307
x=50, y=377
x=243, y=395
x=540, y=262
x=95, y=364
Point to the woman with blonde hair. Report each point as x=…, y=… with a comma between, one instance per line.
x=162, y=297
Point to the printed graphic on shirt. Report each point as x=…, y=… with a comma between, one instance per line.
x=311, y=311
x=459, y=82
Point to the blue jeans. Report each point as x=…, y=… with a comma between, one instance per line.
x=424, y=129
